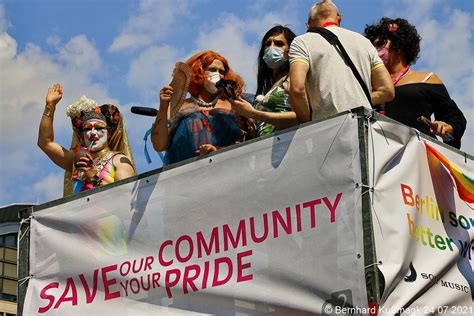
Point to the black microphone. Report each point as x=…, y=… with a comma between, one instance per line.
x=141, y=110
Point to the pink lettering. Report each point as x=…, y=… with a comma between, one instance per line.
x=178, y=248
x=169, y=284
x=156, y=278
x=107, y=283
x=218, y=262
x=187, y=279
x=312, y=210
x=160, y=254
x=125, y=288
x=64, y=298
x=234, y=241
x=242, y=266
x=205, y=275
x=149, y=260
x=90, y=296
x=45, y=296
x=214, y=242
x=137, y=286
x=253, y=232
x=332, y=208
x=298, y=218
x=127, y=265
x=278, y=218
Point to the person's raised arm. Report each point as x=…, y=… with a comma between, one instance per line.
x=298, y=99
x=58, y=154
x=382, y=87
x=160, y=134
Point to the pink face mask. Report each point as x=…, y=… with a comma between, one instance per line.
x=383, y=54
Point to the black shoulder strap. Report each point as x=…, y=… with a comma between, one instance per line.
x=334, y=41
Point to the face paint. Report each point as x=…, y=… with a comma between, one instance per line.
x=95, y=135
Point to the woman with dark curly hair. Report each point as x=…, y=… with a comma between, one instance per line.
x=272, y=110
x=417, y=94
x=205, y=121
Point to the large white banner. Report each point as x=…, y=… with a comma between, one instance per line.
x=422, y=211
x=273, y=227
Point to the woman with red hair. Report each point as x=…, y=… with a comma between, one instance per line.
x=205, y=122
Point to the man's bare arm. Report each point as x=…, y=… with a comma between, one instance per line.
x=298, y=99
x=382, y=87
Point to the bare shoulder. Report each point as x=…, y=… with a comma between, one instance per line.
x=425, y=76
x=123, y=167
x=120, y=159
x=434, y=79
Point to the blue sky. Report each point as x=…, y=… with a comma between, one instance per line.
x=123, y=52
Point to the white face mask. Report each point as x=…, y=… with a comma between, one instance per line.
x=210, y=83
x=274, y=57
x=95, y=133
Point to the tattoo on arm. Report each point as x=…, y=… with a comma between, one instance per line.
x=125, y=160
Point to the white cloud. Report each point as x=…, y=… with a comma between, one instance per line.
x=49, y=188
x=228, y=40
x=54, y=41
x=411, y=10
x=152, y=69
x=7, y=46
x=445, y=44
x=79, y=54
x=24, y=78
x=229, y=37
x=446, y=50
x=149, y=25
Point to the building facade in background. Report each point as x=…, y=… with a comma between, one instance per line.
x=9, y=227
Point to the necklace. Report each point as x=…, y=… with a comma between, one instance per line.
x=205, y=104
x=401, y=74
x=101, y=160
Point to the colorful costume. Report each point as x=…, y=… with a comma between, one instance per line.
x=117, y=142
x=105, y=174
x=195, y=126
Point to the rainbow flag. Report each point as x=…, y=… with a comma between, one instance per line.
x=464, y=184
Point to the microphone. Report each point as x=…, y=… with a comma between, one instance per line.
x=141, y=110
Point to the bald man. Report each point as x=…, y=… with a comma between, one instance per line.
x=322, y=84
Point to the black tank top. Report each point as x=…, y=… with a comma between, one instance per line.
x=417, y=99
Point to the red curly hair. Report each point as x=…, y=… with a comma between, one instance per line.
x=200, y=61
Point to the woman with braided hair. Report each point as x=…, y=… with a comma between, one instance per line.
x=417, y=94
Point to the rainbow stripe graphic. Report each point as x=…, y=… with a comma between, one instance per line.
x=464, y=184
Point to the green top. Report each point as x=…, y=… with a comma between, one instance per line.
x=276, y=100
